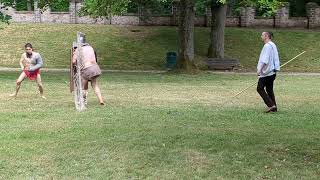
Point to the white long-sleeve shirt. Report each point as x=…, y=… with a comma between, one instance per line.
x=269, y=55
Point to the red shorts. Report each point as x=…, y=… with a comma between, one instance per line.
x=32, y=75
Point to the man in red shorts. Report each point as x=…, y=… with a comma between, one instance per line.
x=30, y=64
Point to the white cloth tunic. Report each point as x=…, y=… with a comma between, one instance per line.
x=269, y=55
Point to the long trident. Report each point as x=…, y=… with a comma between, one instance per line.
x=267, y=73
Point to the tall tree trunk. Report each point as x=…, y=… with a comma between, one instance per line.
x=29, y=5
x=186, y=36
x=218, y=21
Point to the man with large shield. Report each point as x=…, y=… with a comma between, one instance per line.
x=84, y=69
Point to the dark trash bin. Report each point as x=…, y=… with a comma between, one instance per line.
x=171, y=60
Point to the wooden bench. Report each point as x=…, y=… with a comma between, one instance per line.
x=222, y=64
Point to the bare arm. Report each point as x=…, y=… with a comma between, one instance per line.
x=21, y=62
x=74, y=57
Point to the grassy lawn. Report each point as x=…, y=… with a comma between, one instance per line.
x=120, y=48
x=161, y=126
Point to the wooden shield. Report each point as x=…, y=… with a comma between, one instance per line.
x=72, y=71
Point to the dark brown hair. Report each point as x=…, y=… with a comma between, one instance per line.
x=270, y=34
x=28, y=45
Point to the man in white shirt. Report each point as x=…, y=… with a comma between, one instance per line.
x=267, y=67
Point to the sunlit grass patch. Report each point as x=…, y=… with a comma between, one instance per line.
x=160, y=126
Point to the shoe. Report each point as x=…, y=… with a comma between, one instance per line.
x=13, y=95
x=275, y=110
x=102, y=104
x=271, y=109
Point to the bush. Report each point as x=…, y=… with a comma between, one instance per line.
x=298, y=7
x=4, y=18
x=55, y=5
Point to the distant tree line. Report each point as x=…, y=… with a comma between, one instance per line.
x=27, y=5
x=264, y=8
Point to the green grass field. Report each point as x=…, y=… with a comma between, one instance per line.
x=161, y=126
x=120, y=48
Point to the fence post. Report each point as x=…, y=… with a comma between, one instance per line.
x=37, y=12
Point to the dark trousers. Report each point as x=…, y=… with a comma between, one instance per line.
x=265, y=89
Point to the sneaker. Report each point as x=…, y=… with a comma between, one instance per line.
x=275, y=110
x=271, y=109
x=13, y=95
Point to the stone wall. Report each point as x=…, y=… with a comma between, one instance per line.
x=23, y=16
x=233, y=21
x=268, y=22
x=247, y=18
x=55, y=17
x=200, y=21
x=282, y=18
x=156, y=21
x=313, y=11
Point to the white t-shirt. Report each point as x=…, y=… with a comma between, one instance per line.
x=269, y=55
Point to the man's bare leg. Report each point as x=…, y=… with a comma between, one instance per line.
x=96, y=89
x=85, y=91
x=18, y=84
x=40, y=86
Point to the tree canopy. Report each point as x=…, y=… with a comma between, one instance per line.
x=105, y=8
x=22, y=5
x=98, y=8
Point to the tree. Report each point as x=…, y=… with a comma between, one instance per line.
x=107, y=8
x=149, y=7
x=55, y=5
x=264, y=8
x=186, y=36
x=218, y=21
x=29, y=5
x=4, y=19
x=298, y=7
x=104, y=8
